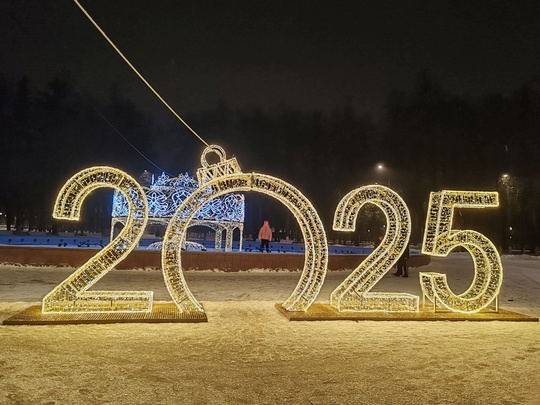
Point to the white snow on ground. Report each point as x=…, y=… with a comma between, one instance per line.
x=249, y=353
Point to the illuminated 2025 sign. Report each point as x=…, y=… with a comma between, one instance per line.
x=352, y=295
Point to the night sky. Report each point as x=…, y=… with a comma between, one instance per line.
x=306, y=54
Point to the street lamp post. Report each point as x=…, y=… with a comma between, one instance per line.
x=381, y=169
x=506, y=183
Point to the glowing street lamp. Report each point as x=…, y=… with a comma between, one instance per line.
x=381, y=168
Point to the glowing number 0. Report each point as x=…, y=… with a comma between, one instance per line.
x=71, y=296
x=353, y=294
x=440, y=239
x=226, y=177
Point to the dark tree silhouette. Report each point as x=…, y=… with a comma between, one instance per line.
x=429, y=139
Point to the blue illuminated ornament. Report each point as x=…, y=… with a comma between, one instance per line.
x=165, y=195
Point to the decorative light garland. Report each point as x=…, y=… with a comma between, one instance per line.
x=440, y=239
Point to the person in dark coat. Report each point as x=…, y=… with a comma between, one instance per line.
x=377, y=242
x=402, y=263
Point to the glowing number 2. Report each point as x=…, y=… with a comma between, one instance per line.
x=440, y=239
x=353, y=294
x=71, y=296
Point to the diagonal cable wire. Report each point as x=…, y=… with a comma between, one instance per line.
x=80, y=93
x=123, y=137
x=138, y=74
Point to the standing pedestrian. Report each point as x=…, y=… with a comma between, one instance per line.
x=265, y=235
x=402, y=263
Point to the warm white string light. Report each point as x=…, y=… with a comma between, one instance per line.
x=354, y=293
x=71, y=295
x=440, y=239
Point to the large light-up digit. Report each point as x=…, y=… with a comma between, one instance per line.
x=354, y=293
x=71, y=296
x=226, y=177
x=440, y=239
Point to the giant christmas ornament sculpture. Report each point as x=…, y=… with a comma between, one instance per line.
x=226, y=177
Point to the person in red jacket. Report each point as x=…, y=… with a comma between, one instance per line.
x=265, y=235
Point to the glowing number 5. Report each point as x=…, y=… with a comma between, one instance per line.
x=71, y=295
x=353, y=294
x=440, y=239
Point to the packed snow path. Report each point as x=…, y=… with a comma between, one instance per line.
x=249, y=353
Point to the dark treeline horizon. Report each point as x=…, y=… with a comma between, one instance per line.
x=427, y=139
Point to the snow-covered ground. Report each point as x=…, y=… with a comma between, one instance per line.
x=249, y=353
